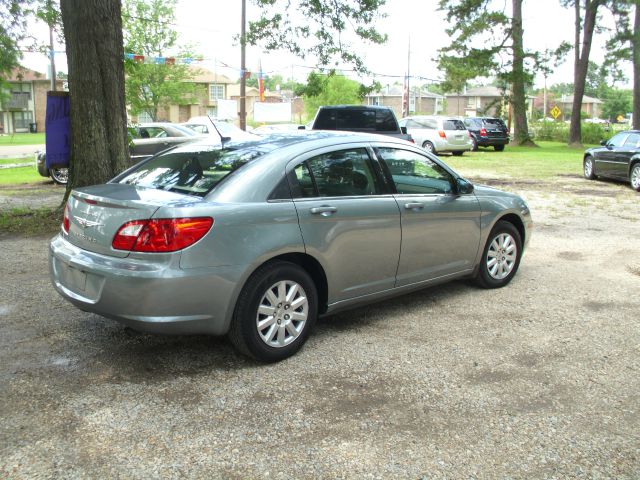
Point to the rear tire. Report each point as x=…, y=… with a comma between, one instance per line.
x=500, y=257
x=474, y=144
x=498, y=148
x=60, y=175
x=429, y=147
x=275, y=312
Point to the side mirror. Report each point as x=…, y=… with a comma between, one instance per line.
x=603, y=143
x=463, y=186
x=403, y=130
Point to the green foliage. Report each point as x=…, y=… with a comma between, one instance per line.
x=317, y=27
x=592, y=133
x=272, y=81
x=30, y=222
x=616, y=102
x=13, y=14
x=147, y=31
x=330, y=90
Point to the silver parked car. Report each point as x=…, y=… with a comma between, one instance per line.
x=438, y=134
x=256, y=239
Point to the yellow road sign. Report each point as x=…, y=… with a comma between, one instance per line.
x=555, y=112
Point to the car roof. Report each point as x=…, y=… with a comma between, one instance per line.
x=356, y=107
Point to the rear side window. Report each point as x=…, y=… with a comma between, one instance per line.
x=191, y=173
x=453, y=125
x=335, y=174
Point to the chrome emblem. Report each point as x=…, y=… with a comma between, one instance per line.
x=84, y=223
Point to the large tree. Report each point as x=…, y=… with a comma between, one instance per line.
x=625, y=45
x=480, y=38
x=586, y=18
x=327, y=31
x=151, y=86
x=93, y=36
x=330, y=90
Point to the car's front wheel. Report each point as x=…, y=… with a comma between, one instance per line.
x=501, y=256
x=589, y=170
x=60, y=175
x=275, y=312
x=634, y=177
x=498, y=148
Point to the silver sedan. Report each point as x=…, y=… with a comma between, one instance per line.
x=257, y=239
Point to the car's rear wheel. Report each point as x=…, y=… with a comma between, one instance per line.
x=634, y=177
x=501, y=256
x=474, y=144
x=275, y=312
x=60, y=175
x=498, y=148
x=589, y=170
x=429, y=147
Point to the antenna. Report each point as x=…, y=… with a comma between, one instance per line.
x=223, y=139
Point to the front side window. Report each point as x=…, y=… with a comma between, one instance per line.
x=618, y=140
x=414, y=174
x=336, y=174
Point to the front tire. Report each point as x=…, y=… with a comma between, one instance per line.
x=634, y=177
x=275, y=312
x=501, y=256
x=498, y=148
x=589, y=169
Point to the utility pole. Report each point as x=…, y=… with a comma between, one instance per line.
x=51, y=47
x=243, y=69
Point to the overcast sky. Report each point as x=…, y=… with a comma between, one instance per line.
x=210, y=25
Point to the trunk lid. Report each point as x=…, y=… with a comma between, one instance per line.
x=97, y=213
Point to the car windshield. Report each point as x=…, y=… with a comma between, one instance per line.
x=192, y=172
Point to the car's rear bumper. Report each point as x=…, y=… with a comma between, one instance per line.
x=490, y=142
x=150, y=296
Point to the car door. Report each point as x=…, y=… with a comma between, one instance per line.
x=347, y=220
x=440, y=228
x=623, y=154
x=606, y=157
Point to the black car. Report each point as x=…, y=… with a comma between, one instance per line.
x=487, y=132
x=617, y=158
x=360, y=118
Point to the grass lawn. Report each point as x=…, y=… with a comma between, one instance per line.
x=22, y=139
x=16, y=176
x=30, y=222
x=549, y=160
x=7, y=161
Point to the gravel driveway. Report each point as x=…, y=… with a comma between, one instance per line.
x=540, y=379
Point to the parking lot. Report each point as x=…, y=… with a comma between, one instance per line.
x=540, y=379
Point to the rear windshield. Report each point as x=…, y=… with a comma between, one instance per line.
x=191, y=173
x=453, y=125
x=360, y=119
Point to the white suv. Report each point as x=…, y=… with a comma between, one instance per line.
x=439, y=134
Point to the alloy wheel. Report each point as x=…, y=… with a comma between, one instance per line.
x=60, y=175
x=502, y=256
x=635, y=177
x=588, y=168
x=282, y=313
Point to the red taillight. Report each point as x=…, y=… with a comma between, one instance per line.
x=161, y=235
x=65, y=219
x=442, y=134
x=483, y=132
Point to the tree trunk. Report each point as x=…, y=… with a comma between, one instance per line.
x=636, y=68
x=93, y=37
x=581, y=67
x=518, y=98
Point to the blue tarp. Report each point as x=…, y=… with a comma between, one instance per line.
x=58, y=130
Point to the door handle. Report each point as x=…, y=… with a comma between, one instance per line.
x=414, y=206
x=324, y=210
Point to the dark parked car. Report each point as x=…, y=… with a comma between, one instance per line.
x=487, y=132
x=617, y=158
x=256, y=239
x=360, y=118
x=146, y=140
